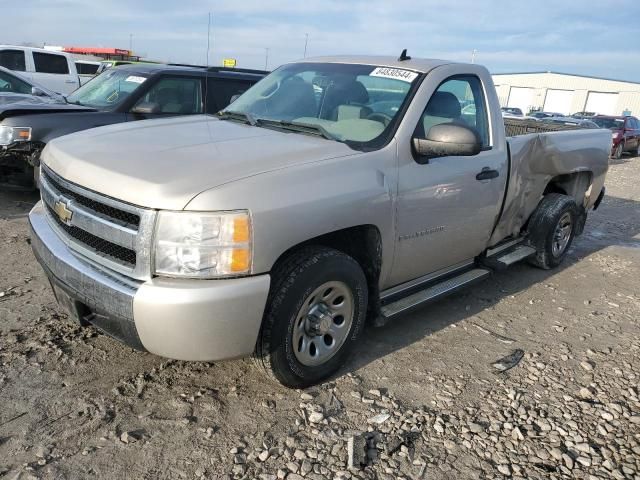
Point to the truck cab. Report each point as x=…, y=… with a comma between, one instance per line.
x=54, y=70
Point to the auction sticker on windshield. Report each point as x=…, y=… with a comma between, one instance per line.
x=395, y=73
x=134, y=79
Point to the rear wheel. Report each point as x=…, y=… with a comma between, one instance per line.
x=314, y=317
x=551, y=229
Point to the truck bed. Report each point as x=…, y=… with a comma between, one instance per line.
x=540, y=152
x=514, y=127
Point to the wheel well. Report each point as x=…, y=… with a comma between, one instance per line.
x=575, y=185
x=364, y=244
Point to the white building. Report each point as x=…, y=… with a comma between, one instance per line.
x=567, y=94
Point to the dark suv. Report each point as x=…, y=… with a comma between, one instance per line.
x=625, y=133
x=122, y=94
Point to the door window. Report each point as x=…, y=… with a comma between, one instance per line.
x=50, y=63
x=9, y=83
x=458, y=100
x=175, y=95
x=87, y=68
x=221, y=90
x=13, y=60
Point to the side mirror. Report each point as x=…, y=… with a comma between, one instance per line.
x=38, y=92
x=234, y=98
x=146, y=108
x=448, y=140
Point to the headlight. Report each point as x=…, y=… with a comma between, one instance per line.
x=9, y=135
x=202, y=245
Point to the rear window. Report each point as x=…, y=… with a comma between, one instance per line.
x=611, y=123
x=50, y=63
x=13, y=60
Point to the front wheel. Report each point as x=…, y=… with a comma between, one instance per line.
x=551, y=229
x=617, y=152
x=314, y=316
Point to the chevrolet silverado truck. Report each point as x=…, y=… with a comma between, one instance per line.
x=335, y=192
x=124, y=94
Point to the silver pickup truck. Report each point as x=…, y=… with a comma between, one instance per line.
x=335, y=191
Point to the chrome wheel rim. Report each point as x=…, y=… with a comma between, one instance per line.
x=562, y=234
x=323, y=323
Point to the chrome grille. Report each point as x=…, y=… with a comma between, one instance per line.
x=113, y=214
x=106, y=231
x=115, y=252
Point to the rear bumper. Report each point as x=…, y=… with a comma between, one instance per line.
x=201, y=320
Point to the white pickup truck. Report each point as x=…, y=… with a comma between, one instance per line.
x=54, y=70
x=333, y=191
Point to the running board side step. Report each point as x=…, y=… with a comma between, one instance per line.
x=501, y=262
x=432, y=293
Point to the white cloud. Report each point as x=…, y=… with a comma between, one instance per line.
x=546, y=34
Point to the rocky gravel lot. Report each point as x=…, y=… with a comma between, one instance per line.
x=423, y=398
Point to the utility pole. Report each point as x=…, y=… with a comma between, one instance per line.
x=306, y=41
x=130, y=43
x=266, y=58
x=473, y=55
x=208, y=38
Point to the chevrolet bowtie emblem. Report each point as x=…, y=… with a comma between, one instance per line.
x=63, y=212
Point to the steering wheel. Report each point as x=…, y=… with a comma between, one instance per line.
x=113, y=96
x=383, y=118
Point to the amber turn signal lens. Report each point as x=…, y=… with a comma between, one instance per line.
x=241, y=229
x=240, y=260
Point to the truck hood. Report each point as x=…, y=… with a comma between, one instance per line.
x=165, y=163
x=29, y=105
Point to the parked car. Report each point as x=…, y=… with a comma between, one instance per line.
x=15, y=88
x=541, y=115
x=511, y=112
x=54, y=70
x=87, y=69
x=569, y=121
x=106, y=64
x=279, y=227
x=625, y=134
x=122, y=94
x=584, y=114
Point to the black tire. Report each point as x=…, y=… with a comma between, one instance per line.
x=293, y=282
x=543, y=228
x=617, y=153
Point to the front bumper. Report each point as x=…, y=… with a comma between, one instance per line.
x=202, y=320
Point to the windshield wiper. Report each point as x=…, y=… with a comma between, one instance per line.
x=243, y=117
x=309, y=128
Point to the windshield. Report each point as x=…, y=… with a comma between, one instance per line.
x=108, y=89
x=610, y=123
x=344, y=102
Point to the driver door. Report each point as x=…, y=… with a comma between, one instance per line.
x=446, y=210
x=170, y=96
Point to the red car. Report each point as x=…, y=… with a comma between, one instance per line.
x=625, y=134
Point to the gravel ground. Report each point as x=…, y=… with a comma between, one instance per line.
x=422, y=399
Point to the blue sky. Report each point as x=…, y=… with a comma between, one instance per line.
x=589, y=37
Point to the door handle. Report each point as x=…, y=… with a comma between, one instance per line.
x=487, y=174
x=70, y=81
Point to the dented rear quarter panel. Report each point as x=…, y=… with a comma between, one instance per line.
x=539, y=157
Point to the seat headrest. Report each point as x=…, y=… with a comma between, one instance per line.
x=443, y=104
x=350, y=91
